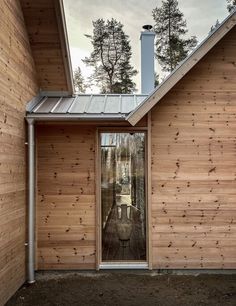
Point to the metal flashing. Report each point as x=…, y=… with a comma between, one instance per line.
x=32, y=103
x=43, y=93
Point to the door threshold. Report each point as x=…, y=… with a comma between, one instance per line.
x=123, y=266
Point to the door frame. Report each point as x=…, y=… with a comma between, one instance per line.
x=122, y=265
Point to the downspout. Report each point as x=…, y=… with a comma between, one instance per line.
x=31, y=201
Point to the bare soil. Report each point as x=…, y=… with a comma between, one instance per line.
x=123, y=288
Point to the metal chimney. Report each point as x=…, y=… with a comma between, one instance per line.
x=147, y=60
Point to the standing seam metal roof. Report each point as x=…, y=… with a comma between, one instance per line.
x=88, y=106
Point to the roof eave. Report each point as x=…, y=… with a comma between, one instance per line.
x=60, y=13
x=160, y=91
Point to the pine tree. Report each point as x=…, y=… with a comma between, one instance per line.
x=78, y=80
x=156, y=77
x=231, y=5
x=217, y=24
x=111, y=57
x=170, y=27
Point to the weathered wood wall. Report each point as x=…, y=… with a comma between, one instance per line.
x=194, y=166
x=66, y=197
x=43, y=29
x=17, y=87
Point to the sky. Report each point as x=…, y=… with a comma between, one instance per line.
x=199, y=14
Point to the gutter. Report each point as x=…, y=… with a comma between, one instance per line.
x=75, y=117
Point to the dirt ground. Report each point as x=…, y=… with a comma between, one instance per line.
x=123, y=288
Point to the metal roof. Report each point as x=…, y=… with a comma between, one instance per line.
x=86, y=106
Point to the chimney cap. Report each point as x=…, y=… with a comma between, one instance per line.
x=147, y=27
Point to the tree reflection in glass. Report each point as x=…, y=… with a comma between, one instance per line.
x=123, y=196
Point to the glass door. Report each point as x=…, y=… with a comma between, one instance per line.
x=123, y=197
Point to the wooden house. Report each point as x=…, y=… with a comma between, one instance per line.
x=33, y=59
x=114, y=181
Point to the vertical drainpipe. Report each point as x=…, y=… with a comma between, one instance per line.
x=31, y=201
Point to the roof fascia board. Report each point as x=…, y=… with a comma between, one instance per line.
x=60, y=14
x=182, y=70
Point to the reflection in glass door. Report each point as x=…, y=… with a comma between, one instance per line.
x=123, y=204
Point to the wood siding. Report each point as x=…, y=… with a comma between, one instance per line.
x=17, y=87
x=66, y=222
x=43, y=29
x=66, y=197
x=194, y=166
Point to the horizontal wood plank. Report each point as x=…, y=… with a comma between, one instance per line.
x=66, y=197
x=193, y=166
